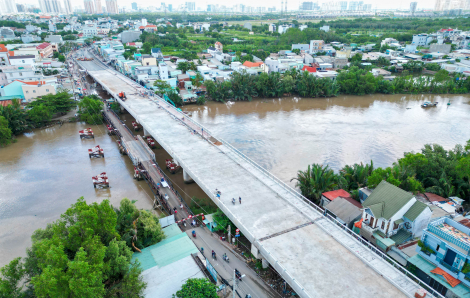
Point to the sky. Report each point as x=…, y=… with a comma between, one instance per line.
x=292, y=4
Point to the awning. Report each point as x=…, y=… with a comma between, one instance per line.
x=399, y=221
x=449, y=278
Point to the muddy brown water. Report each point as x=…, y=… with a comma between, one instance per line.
x=43, y=173
x=286, y=135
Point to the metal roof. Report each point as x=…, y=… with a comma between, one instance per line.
x=415, y=210
x=386, y=200
x=344, y=210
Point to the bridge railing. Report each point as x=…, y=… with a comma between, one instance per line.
x=296, y=194
x=291, y=191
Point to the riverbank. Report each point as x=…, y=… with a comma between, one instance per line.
x=47, y=170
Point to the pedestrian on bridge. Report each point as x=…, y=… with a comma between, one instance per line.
x=240, y=199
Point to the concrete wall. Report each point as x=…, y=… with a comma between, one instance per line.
x=33, y=91
x=441, y=48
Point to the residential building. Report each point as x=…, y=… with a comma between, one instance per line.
x=27, y=38
x=157, y=53
x=22, y=60
x=13, y=72
x=112, y=7
x=316, y=46
x=68, y=7
x=325, y=28
x=440, y=48
x=45, y=50
x=413, y=6
x=98, y=7
x=346, y=210
x=89, y=6
x=422, y=39
x=443, y=257
x=248, y=26
x=52, y=26
x=302, y=27
x=392, y=216
x=219, y=47
x=191, y=6
x=4, y=56
x=328, y=197
x=35, y=89
x=306, y=6
x=302, y=47
x=54, y=39
x=7, y=33
x=148, y=60
x=390, y=42
x=282, y=29
x=272, y=28
x=90, y=30
x=163, y=71
x=130, y=36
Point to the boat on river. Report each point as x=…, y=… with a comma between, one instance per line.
x=428, y=104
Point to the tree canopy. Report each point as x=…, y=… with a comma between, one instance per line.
x=197, y=288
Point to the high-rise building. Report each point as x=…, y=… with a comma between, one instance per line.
x=343, y=5
x=444, y=5
x=353, y=5
x=20, y=7
x=8, y=6
x=134, y=5
x=50, y=6
x=56, y=6
x=98, y=6
x=191, y=6
x=367, y=7
x=112, y=7
x=170, y=7
x=413, y=6
x=89, y=6
x=307, y=6
x=68, y=7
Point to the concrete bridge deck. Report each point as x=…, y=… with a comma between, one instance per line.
x=313, y=254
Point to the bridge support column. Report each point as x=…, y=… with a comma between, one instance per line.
x=264, y=263
x=146, y=133
x=187, y=178
x=122, y=109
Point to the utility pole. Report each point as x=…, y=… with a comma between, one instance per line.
x=229, y=237
x=234, y=284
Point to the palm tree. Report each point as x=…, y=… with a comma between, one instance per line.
x=315, y=181
x=356, y=175
x=442, y=187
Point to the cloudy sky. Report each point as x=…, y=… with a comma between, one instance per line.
x=292, y=4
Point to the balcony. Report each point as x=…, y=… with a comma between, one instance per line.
x=448, y=267
x=442, y=229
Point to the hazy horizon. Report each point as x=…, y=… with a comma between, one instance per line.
x=292, y=5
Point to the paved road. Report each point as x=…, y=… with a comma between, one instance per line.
x=251, y=283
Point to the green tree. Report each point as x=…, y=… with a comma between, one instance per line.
x=5, y=132
x=89, y=110
x=61, y=102
x=183, y=66
x=441, y=75
x=79, y=255
x=316, y=180
x=40, y=114
x=162, y=87
x=15, y=116
x=197, y=288
x=61, y=58
x=11, y=279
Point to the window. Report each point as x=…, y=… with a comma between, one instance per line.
x=47, y=90
x=395, y=226
x=27, y=92
x=383, y=225
x=21, y=74
x=437, y=247
x=34, y=91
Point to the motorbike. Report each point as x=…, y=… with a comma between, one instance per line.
x=214, y=256
x=233, y=201
x=194, y=234
x=226, y=259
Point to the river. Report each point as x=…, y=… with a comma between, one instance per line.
x=43, y=173
x=286, y=135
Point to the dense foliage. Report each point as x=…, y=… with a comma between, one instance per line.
x=35, y=114
x=82, y=254
x=434, y=169
x=89, y=110
x=197, y=288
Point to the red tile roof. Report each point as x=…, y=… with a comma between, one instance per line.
x=331, y=195
x=5, y=103
x=44, y=17
x=252, y=64
x=29, y=82
x=435, y=198
x=151, y=26
x=43, y=45
x=11, y=53
x=131, y=44
x=3, y=48
x=309, y=69
x=141, y=27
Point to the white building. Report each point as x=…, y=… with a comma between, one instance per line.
x=422, y=39
x=90, y=30
x=112, y=7
x=325, y=28
x=283, y=28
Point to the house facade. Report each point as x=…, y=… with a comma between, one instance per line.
x=392, y=216
x=443, y=259
x=45, y=50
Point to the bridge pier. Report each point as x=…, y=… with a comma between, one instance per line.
x=264, y=263
x=146, y=133
x=187, y=179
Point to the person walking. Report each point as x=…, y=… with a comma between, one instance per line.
x=181, y=206
x=240, y=199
